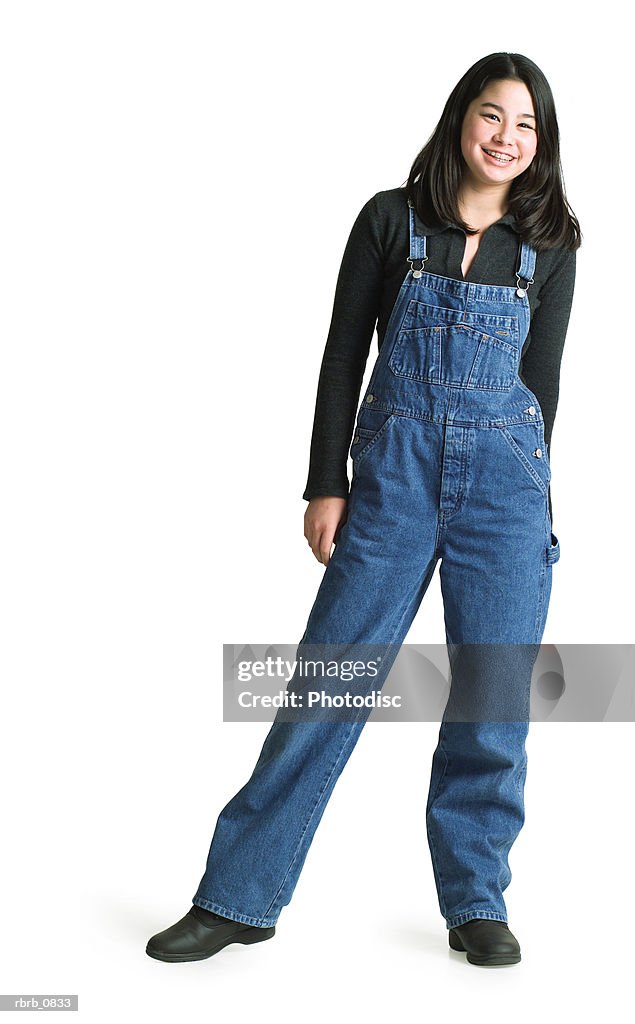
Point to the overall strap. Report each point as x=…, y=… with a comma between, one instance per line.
x=417, y=245
x=526, y=266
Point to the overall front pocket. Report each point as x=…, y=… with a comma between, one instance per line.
x=458, y=355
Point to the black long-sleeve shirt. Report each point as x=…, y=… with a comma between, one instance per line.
x=373, y=267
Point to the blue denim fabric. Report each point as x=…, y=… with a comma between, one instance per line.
x=450, y=465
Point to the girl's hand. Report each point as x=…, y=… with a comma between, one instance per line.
x=323, y=519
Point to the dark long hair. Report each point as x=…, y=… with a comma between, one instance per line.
x=537, y=197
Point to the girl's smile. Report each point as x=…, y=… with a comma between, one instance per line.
x=498, y=155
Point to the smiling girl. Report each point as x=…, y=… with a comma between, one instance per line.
x=467, y=273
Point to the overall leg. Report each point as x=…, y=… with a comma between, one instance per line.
x=369, y=594
x=496, y=581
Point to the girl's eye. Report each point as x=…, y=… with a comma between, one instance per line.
x=522, y=125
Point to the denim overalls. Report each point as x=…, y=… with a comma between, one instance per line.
x=450, y=464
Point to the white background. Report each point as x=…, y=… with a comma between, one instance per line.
x=178, y=184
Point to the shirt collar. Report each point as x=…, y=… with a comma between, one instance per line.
x=428, y=229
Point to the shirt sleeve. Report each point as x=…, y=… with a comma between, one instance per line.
x=354, y=318
x=540, y=365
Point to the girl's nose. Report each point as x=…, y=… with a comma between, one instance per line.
x=503, y=136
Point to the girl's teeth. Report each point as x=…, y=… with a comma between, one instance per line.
x=501, y=159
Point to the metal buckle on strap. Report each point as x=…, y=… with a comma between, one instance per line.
x=417, y=259
x=523, y=285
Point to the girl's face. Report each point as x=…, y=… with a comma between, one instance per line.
x=501, y=120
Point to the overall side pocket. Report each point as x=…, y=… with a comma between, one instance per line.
x=370, y=427
x=525, y=442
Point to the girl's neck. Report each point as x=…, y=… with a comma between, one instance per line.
x=482, y=205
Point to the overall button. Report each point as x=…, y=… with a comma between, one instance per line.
x=356, y=439
x=532, y=410
x=538, y=453
x=370, y=398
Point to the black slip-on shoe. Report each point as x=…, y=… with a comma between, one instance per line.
x=201, y=934
x=487, y=943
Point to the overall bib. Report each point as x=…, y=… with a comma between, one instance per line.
x=450, y=464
